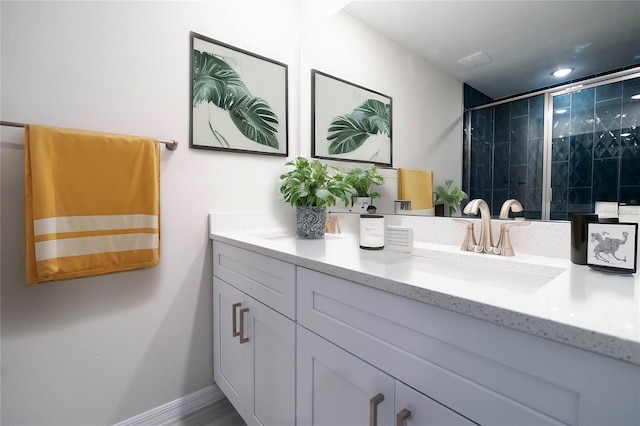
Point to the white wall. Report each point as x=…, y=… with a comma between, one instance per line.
x=102, y=349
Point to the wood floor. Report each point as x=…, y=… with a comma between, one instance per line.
x=220, y=413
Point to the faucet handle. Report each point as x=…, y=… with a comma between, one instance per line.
x=504, y=243
x=469, y=242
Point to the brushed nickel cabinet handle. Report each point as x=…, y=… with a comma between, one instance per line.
x=242, y=338
x=234, y=325
x=402, y=417
x=373, y=409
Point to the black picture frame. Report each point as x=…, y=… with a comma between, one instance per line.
x=350, y=122
x=238, y=101
x=613, y=247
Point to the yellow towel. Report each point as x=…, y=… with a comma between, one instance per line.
x=417, y=186
x=92, y=203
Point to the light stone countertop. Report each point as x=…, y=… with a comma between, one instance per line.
x=547, y=297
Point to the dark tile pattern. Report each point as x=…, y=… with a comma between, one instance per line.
x=501, y=166
x=605, y=179
x=596, y=144
x=536, y=117
x=481, y=173
x=560, y=149
x=502, y=127
x=595, y=150
x=476, y=180
x=499, y=197
x=518, y=182
x=609, y=91
x=630, y=194
x=520, y=108
x=518, y=142
x=509, y=164
x=534, y=163
x=474, y=98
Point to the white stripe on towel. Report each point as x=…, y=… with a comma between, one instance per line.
x=93, y=245
x=63, y=224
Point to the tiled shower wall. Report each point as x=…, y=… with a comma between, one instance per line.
x=518, y=148
x=506, y=155
x=595, y=151
x=482, y=147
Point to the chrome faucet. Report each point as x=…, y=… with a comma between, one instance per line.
x=485, y=242
x=513, y=205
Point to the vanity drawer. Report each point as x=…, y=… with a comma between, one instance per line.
x=269, y=280
x=488, y=373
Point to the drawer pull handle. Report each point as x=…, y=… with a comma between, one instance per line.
x=373, y=409
x=242, y=338
x=235, y=333
x=402, y=417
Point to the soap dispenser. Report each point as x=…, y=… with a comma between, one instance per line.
x=371, y=231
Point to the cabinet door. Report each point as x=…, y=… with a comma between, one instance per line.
x=228, y=358
x=336, y=388
x=270, y=366
x=416, y=409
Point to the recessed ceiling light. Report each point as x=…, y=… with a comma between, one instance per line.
x=636, y=96
x=560, y=111
x=562, y=72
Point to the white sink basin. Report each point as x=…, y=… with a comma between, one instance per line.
x=521, y=273
x=429, y=262
x=534, y=265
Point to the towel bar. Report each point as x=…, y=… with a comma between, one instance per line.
x=171, y=144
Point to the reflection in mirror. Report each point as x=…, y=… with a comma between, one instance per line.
x=427, y=103
x=428, y=124
x=593, y=151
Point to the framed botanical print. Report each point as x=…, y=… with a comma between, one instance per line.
x=349, y=122
x=238, y=100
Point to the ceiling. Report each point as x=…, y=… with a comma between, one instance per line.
x=526, y=40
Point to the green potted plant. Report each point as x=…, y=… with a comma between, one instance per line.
x=362, y=181
x=450, y=195
x=311, y=187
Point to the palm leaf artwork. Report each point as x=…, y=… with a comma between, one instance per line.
x=350, y=131
x=216, y=82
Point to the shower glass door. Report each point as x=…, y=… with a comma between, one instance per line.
x=595, y=152
x=557, y=152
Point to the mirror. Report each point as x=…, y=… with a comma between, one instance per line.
x=374, y=44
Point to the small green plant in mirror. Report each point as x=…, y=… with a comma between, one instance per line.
x=313, y=184
x=450, y=195
x=363, y=180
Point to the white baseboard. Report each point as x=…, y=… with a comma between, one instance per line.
x=173, y=410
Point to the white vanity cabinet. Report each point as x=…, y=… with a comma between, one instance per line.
x=254, y=344
x=484, y=372
x=323, y=350
x=339, y=389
